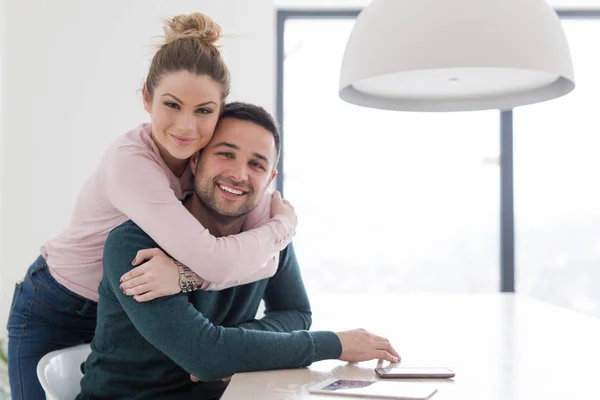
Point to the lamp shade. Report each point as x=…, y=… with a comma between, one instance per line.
x=459, y=55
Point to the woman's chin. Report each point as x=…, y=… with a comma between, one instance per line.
x=182, y=154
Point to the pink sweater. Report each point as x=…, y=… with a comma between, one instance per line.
x=133, y=182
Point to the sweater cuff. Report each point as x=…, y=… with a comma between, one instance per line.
x=328, y=345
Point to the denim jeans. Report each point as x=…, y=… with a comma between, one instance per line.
x=44, y=316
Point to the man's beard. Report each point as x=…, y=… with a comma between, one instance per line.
x=207, y=194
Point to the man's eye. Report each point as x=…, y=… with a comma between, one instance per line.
x=170, y=104
x=204, y=111
x=256, y=165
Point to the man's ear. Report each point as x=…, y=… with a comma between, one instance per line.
x=147, y=98
x=273, y=175
x=194, y=162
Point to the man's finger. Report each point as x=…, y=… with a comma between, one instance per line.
x=387, y=346
x=194, y=379
x=384, y=355
x=277, y=195
x=381, y=338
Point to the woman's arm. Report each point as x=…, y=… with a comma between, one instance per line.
x=139, y=188
x=208, y=351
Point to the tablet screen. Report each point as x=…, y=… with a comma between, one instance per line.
x=374, y=389
x=342, y=384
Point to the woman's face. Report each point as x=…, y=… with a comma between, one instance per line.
x=184, y=111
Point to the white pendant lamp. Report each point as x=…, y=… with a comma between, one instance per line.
x=455, y=55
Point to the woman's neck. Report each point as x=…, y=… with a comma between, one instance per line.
x=176, y=165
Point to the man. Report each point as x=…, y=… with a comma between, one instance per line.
x=148, y=350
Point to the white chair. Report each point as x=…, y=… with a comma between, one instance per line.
x=59, y=372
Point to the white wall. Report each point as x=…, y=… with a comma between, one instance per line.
x=2, y=58
x=71, y=79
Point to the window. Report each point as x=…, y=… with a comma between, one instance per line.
x=387, y=201
x=557, y=195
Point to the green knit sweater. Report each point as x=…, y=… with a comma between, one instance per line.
x=148, y=350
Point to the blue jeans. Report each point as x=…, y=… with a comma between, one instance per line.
x=44, y=316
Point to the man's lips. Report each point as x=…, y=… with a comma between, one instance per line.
x=231, y=190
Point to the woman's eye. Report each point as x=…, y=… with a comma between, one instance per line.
x=204, y=111
x=170, y=104
x=228, y=155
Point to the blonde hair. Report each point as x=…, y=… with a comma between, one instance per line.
x=190, y=45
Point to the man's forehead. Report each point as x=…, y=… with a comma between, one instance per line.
x=246, y=135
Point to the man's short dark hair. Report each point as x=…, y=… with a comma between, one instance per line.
x=257, y=115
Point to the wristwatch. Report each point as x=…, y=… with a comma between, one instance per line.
x=188, y=280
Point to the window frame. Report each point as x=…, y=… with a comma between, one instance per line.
x=505, y=128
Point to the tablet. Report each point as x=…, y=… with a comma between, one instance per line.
x=374, y=389
x=415, y=372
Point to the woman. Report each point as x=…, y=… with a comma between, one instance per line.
x=143, y=177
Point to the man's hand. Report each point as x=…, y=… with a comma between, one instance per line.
x=360, y=345
x=156, y=277
x=282, y=207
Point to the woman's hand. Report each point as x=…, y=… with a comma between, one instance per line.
x=283, y=208
x=157, y=276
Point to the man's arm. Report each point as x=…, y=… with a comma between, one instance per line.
x=287, y=307
x=207, y=351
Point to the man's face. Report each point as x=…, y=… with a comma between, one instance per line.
x=236, y=167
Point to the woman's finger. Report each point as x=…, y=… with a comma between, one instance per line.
x=144, y=255
x=141, y=289
x=141, y=298
x=133, y=282
x=134, y=273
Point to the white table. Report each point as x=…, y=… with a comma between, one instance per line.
x=501, y=346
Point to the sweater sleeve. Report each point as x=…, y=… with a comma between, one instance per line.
x=139, y=188
x=207, y=351
x=287, y=308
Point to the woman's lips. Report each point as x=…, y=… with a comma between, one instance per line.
x=183, y=140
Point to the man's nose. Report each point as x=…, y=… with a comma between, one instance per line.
x=239, y=172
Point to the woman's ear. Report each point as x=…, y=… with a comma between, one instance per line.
x=147, y=97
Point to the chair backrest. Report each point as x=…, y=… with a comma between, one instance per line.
x=59, y=372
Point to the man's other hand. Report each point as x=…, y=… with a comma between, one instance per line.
x=360, y=345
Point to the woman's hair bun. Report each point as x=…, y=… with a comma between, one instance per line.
x=194, y=25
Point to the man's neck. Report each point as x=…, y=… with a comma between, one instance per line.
x=216, y=224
